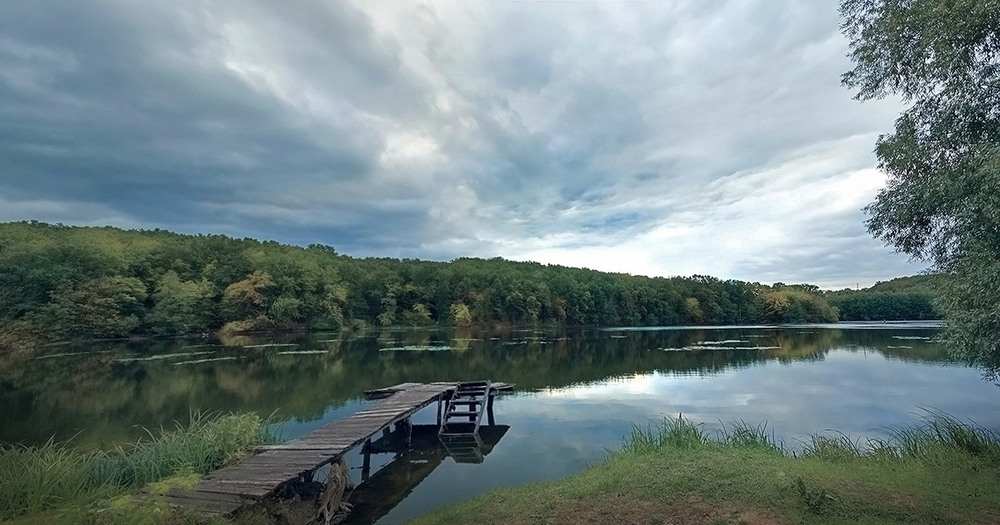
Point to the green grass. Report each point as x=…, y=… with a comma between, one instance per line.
x=939, y=471
x=57, y=479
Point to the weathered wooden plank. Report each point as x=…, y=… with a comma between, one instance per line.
x=226, y=489
x=243, y=491
x=206, y=507
x=206, y=502
x=192, y=494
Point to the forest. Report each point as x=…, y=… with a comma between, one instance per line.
x=66, y=282
x=905, y=298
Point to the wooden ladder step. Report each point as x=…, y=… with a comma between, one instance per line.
x=467, y=393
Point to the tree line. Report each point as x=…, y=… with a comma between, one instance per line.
x=62, y=282
x=905, y=298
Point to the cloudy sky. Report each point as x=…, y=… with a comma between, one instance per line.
x=662, y=137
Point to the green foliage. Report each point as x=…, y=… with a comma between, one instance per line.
x=180, y=307
x=59, y=476
x=247, y=299
x=460, y=314
x=104, y=307
x=786, y=304
x=881, y=306
x=62, y=281
x=418, y=315
x=942, y=199
x=816, y=500
x=285, y=310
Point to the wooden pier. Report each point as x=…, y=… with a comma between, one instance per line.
x=262, y=475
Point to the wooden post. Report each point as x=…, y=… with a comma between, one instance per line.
x=409, y=431
x=439, y=411
x=366, y=465
x=489, y=411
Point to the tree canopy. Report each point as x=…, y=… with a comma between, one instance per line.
x=63, y=281
x=942, y=199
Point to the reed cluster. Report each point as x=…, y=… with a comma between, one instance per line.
x=57, y=475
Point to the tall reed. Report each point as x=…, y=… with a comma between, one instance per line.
x=58, y=475
x=937, y=438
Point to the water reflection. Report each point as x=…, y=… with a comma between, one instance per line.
x=578, y=392
x=103, y=394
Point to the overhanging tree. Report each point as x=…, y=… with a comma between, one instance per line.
x=942, y=199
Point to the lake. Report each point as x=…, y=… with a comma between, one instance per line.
x=578, y=392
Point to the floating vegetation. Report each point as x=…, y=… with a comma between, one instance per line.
x=69, y=354
x=329, y=340
x=734, y=348
x=514, y=343
x=415, y=348
x=897, y=347
x=302, y=352
x=203, y=346
x=717, y=347
x=619, y=337
x=196, y=361
x=272, y=345
x=160, y=356
x=912, y=337
x=726, y=342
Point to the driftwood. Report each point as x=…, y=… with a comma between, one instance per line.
x=333, y=507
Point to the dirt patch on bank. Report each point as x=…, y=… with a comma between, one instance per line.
x=626, y=510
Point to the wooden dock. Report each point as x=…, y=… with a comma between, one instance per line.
x=262, y=475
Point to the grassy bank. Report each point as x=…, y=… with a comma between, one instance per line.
x=57, y=482
x=942, y=471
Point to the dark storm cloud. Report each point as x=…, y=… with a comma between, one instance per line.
x=648, y=137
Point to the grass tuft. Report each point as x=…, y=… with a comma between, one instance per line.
x=938, y=439
x=59, y=476
x=671, y=433
x=745, y=435
x=837, y=448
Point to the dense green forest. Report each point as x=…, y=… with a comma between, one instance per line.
x=62, y=282
x=903, y=298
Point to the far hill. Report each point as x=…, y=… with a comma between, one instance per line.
x=903, y=298
x=927, y=284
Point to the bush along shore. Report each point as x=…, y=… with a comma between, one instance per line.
x=940, y=471
x=59, y=483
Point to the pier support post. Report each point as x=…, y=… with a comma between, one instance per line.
x=366, y=463
x=489, y=411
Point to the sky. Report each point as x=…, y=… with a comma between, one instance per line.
x=661, y=137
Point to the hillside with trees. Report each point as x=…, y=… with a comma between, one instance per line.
x=63, y=282
x=904, y=298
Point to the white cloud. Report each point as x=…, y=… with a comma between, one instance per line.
x=643, y=137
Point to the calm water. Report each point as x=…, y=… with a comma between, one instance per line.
x=578, y=392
